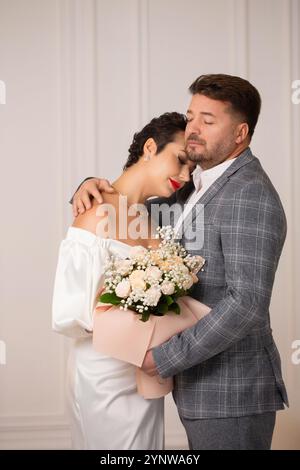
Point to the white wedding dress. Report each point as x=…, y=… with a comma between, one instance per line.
x=104, y=408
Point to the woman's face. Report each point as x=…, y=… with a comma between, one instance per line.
x=170, y=169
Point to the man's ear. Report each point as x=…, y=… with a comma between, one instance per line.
x=242, y=132
x=150, y=147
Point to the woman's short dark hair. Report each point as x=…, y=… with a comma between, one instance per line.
x=162, y=129
x=243, y=97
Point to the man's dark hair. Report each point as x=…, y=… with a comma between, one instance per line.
x=244, y=98
x=162, y=129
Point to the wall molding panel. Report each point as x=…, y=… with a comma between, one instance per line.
x=239, y=49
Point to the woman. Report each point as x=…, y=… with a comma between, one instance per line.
x=105, y=410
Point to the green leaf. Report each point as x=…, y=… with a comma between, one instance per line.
x=162, y=307
x=175, y=308
x=110, y=298
x=169, y=299
x=145, y=316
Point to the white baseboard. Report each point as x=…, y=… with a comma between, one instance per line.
x=34, y=432
x=26, y=435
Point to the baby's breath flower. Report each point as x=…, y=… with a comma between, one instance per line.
x=148, y=274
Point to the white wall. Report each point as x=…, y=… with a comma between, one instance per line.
x=81, y=76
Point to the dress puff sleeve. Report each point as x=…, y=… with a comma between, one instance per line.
x=79, y=276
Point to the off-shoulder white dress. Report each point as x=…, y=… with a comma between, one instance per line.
x=104, y=408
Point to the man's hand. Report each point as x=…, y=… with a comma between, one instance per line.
x=90, y=188
x=149, y=365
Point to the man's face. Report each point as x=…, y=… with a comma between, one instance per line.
x=211, y=131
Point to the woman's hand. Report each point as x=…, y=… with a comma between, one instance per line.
x=91, y=188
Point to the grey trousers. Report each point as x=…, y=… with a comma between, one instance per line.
x=242, y=433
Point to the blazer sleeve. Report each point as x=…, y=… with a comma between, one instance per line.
x=252, y=238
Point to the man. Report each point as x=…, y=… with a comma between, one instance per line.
x=228, y=382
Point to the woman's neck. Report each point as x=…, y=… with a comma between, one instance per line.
x=131, y=185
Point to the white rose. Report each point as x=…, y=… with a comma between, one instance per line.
x=153, y=273
x=136, y=279
x=137, y=274
x=123, y=266
x=138, y=253
x=123, y=289
x=167, y=288
x=188, y=282
x=138, y=284
x=182, y=269
x=152, y=296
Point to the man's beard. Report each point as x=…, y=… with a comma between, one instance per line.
x=209, y=158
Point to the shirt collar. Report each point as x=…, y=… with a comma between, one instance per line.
x=205, y=177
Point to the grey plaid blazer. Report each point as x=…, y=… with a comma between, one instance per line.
x=227, y=364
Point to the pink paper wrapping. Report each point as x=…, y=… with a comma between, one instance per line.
x=122, y=335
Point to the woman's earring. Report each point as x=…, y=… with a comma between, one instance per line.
x=147, y=158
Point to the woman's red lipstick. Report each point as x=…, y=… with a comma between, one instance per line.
x=175, y=184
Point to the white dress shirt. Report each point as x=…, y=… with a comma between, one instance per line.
x=202, y=180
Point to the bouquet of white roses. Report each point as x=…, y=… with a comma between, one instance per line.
x=150, y=280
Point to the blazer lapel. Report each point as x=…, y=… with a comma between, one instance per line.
x=244, y=158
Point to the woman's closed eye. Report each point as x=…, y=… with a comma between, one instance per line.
x=181, y=160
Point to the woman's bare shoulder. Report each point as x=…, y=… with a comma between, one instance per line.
x=97, y=214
